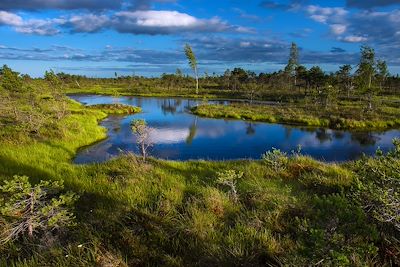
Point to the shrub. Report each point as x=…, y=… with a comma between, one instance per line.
x=229, y=178
x=335, y=232
x=378, y=186
x=10, y=80
x=276, y=159
x=32, y=211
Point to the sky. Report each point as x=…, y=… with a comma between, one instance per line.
x=146, y=37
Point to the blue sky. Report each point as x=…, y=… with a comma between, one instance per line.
x=146, y=37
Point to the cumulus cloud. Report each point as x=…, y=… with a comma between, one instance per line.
x=359, y=26
x=326, y=14
x=7, y=18
x=353, y=39
x=150, y=22
x=378, y=27
x=32, y=26
x=167, y=22
x=88, y=22
x=338, y=29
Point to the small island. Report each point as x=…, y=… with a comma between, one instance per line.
x=116, y=109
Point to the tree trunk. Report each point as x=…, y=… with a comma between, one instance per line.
x=197, y=81
x=197, y=85
x=143, y=152
x=234, y=193
x=31, y=211
x=369, y=82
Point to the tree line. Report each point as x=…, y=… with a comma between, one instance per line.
x=369, y=78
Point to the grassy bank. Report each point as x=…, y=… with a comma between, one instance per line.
x=116, y=109
x=347, y=116
x=287, y=210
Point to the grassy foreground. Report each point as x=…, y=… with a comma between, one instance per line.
x=289, y=210
x=347, y=116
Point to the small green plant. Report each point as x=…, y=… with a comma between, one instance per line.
x=229, y=178
x=143, y=139
x=32, y=211
x=276, y=159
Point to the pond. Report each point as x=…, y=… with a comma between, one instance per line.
x=179, y=135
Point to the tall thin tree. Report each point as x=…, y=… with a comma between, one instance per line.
x=366, y=68
x=366, y=72
x=382, y=72
x=293, y=62
x=344, y=77
x=192, y=63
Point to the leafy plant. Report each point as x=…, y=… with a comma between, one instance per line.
x=229, y=178
x=276, y=159
x=378, y=186
x=142, y=131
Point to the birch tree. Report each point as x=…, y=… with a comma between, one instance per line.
x=143, y=140
x=193, y=64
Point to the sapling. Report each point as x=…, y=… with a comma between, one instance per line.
x=193, y=64
x=276, y=159
x=27, y=210
x=229, y=178
x=143, y=139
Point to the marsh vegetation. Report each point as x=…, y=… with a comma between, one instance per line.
x=284, y=209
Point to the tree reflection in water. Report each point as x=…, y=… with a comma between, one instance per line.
x=192, y=131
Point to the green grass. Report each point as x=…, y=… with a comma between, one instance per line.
x=116, y=109
x=347, y=116
x=168, y=213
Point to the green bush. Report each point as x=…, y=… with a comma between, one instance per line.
x=276, y=159
x=10, y=80
x=33, y=211
x=335, y=232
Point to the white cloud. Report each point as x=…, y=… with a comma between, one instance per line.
x=325, y=14
x=245, y=44
x=167, y=22
x=168, y=136
x=88, y=22
x=153, y=18
x=32, y=26
x=8, y=18
x=150, y=22
x=338, y=29
x=354, y=39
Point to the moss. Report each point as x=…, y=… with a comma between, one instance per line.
x=117, y=109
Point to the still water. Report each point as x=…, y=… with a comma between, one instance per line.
x=179, y=135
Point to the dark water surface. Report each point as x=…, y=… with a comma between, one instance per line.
x=179, y=135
